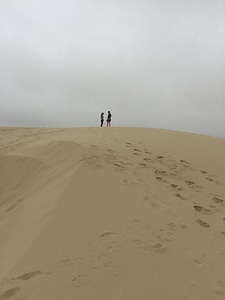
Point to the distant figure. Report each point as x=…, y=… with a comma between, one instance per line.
x=109, y=117
x=102, y=119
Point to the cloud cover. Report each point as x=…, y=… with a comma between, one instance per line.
x=152, y=63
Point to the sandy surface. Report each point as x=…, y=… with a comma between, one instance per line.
x=111, y=213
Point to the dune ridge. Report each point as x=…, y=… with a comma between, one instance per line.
x=111, y=213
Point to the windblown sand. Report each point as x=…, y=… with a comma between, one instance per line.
x=111, y=213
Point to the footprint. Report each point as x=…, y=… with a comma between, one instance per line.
x=108, y=150
x=209, y=179
x=118, y=165
x=146, y=199
x=202, y=210
x=180, y=196
x=218, y=200
x=142, y=245
x=9, y=293
x=136, y=221
x=67, y=262
x=193, y=185
x=198, y=263
x=160, y=172
x=173, y=174
x=203, y=172
x=175, y=186
x=32, y=275
x=70, y=262
x=202, y=223
x=159, y=248
x=219, y=288
x=138, y=243
x=184, y=161
x=129, y=144
x=108, y=265
x=138, y=225
x=80, y=280
x=106, y=234
x=133, y=183
x=148, y=152
x=189, y=182
x=111, y=270
x=142, y=164
x=158, y=206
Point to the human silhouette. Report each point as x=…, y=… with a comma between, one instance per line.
x=102, y=119
x=109, y=117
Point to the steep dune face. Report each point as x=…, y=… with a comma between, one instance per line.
x=31, y=181
x=111, y=213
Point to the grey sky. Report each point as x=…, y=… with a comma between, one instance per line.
x=154, y=63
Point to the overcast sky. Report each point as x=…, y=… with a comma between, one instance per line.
x=152, y=63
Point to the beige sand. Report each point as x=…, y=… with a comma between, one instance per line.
x=111, y=213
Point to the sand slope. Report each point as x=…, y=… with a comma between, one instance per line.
x=111, y=213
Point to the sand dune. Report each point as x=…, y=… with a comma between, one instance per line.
x=111, y=213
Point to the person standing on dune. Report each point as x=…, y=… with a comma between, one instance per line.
x=102, y=119
x=109, y=117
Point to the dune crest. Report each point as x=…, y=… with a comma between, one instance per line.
x=111, y=213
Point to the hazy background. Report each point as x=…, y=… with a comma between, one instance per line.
x=154, y=63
